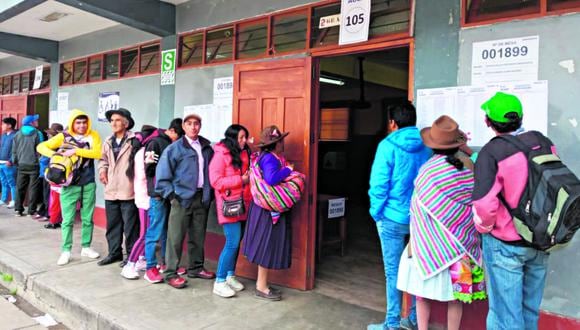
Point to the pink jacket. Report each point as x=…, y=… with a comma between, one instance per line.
x=224, y=177
x=500, y=169
x=140, y=181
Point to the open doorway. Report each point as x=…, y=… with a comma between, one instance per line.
x=38, y=104
x=355, y=90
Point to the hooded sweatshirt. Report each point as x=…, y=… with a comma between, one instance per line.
x=90, y=152
x=24, y=147
x=397, y=162
x=6, y=145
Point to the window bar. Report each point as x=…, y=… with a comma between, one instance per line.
x=269, y=47
x=148, y=63
x=215, y=52
x=543, y=7
x=235, y=43
x=72, y=78
x=102, y=66
x=119, y=67
x=308, y=26
x=139, y=60
x=204, y=49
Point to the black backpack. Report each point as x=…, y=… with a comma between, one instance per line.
x=548, y=213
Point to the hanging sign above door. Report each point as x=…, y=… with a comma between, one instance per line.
x=37, y=77
x=354, y=21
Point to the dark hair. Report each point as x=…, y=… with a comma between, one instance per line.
x=451, y=157
x=177, y=125
x=231, y=142
x=404, y=114
x=10, y=121
x=514, y=123
x=82, y=117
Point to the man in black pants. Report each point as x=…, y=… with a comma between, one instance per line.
x=25, y=157
x=116, y=172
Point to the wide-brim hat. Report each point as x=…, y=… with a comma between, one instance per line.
x=121, y=112
x=270, y=135
x=443, y=134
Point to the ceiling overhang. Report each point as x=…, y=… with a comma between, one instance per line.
x=30, y=47
x=156, y=17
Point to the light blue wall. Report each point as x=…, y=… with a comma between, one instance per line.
x=559, y=41
x=15, y=64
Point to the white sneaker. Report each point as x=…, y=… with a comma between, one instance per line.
x=129, y=271
x=90, y=253
x=233, y=283
x=2, y=202
x=64, y=258
x=222, y=289
x=10, y=205
x=141, y=265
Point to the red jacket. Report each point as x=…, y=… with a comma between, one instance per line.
x=224, y=177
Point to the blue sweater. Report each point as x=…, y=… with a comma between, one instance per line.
x=396, y=165
x=6, y=145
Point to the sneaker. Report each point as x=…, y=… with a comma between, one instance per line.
x=141, y=265
x=36, y=216
x=177, y=282
x=2, y=202
x=222, y=289
x=181, y=271
x=64, y=258
x=19, y=214
x=162, y=268
x=233, y=282
x=129, y=272
x=407, y=324
x=152, y=276
x=90, y=253
x=52, y=226
x=10, y=205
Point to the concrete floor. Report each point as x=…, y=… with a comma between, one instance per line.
x=83, y=295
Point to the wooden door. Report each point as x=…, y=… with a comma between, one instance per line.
x=14, y=106
x=279, y=93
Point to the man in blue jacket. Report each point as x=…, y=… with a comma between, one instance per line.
x=7, y=171
x=397, y=161
x=182, y=176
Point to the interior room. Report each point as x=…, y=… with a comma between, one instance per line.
x=355, y=90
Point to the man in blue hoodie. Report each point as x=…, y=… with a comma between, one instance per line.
x=7, y=171
x=25, y=157
x=397, y=161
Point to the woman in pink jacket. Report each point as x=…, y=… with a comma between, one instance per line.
x=229, y=177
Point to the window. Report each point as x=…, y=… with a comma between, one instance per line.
x=252, y=39
x=25, y=82
x=219, y=45
x=66, y=73
x=95, y=68
x=16, y=83
x=45, y=81
x=289, y=31
x=389, y=17
x=323, y=34
x=112, y=66
x=483, y=10
x=563, y=4
x=6, y=85
x=191, y=49
x=150, y=58
x=129, y=59
x=80, y=72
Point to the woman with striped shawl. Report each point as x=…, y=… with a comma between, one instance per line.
x=443, y=259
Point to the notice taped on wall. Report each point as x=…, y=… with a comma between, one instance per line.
x=215, y=119
x=463, y=104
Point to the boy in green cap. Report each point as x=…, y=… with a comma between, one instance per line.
x=516, y=273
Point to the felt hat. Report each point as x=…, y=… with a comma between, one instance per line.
x=121, y=112
x=443, y=134
x=271, y=135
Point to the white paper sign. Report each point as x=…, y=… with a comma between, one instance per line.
x=354, y=21
x=168, y=58
x=223, y=91
x=37, y=77
x=464, y=105
x=336, y=207
x=329, y=21
x=505, y=60
x=107, y=101
x=215, y=119
x=62, y=104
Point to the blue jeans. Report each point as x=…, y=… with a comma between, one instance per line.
x=227, y=262
x=8, y=180
x=392, y=235
x=515, y=284
x=157, y=230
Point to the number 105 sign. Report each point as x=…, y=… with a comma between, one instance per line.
x=354, y=21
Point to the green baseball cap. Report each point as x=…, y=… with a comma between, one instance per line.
x=500, y=105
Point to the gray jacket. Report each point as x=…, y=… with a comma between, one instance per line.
x=24, y=147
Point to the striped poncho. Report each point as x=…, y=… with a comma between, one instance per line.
x=442, y=230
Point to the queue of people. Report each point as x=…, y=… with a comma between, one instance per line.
x=442, y=212
x=445, y=223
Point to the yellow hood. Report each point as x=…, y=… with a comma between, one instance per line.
x=75, y=113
